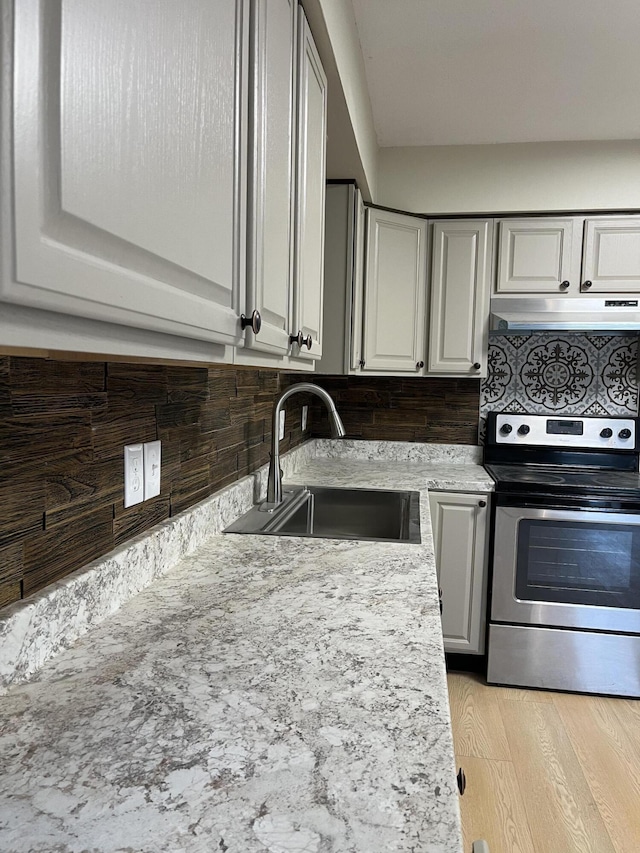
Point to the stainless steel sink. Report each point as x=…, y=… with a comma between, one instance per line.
x=370, y=514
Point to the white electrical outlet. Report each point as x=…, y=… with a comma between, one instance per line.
x=305, y=415
x=281, y=425
x=152, y=466
x=133, y=475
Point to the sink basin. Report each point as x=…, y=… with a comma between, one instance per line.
x=317, y=511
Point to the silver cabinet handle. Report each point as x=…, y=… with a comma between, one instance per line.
x=254, y=322
x=301, y=340
x=586, y=285
x=564, y=285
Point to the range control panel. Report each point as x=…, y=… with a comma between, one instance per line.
x=551, y=431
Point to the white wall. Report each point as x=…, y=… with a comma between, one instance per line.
x=341, y=28
x=515, y=177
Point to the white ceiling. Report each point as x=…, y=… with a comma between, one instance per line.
x=455, y=72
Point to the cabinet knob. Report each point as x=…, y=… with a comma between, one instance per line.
x=301, y=340
x=362, y=362
x=586, y=285
x=254, y=322
x=462, y=781
x=482, y=503
x=419, y=365
x=440, y=599
x=477, y=365
x=564, y=285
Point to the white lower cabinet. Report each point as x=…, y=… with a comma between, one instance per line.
x=460, y=533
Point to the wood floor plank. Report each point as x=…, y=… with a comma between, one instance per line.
x=477, y=724
x=628, y=713
x=561, y=811
x=610, y=761
x=492, y=807
x=518, y=694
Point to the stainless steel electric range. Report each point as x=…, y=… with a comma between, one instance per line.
x=565, y=593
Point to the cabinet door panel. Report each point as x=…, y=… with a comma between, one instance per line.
x=130, y=159
x=310, y=193
x=537, y=255
x=395, y=285
x=269, y=270
x=460, y=539
x=611, y=258
x=459, y=322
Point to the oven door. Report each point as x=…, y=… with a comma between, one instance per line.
x=571, y=568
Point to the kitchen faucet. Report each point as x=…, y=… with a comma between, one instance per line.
x=274, y=485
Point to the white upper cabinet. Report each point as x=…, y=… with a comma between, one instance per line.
x=572, y=256
x=539, y=256
x=460, y=286
x=394, y=333
x=129, y=163
x=308, y=268
x=286, y=187
x=271, y=176
x=611, y=257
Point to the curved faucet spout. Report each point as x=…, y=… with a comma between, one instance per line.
x=274, y=486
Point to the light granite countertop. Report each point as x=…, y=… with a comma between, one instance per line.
x=266, y=694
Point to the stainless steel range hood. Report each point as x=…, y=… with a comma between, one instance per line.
x=606, y=314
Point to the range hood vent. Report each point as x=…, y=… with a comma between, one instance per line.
x=575, y=314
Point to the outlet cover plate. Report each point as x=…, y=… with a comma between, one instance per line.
x=133, y=475
x=152, y=468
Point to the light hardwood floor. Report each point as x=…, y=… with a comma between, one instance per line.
x=546, y=772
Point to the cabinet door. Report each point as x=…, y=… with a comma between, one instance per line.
x=539, y=256
x=395, y=293
x=611, y=259
x=459, y=320
x=459, y=524
x=269, y=268
x=310, y=194
x=129, y=163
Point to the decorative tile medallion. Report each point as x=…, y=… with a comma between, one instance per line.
x=556, y=374
x=569, y=374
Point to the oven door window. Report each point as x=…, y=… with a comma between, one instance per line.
x=578, y=563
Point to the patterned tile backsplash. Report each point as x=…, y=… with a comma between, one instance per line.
x=566, y=374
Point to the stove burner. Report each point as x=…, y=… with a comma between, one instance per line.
x=545, y=478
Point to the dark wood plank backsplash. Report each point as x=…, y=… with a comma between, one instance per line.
x=444, y=411
x=63, y=426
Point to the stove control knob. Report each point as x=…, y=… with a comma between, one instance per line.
x=606, y=433
x=524, y=429
x=624, y=434
x=505, y=429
